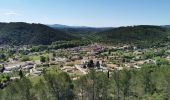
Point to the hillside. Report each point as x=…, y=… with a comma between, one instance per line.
x=24, y=33
x=134, y=34
x=79, y=31
x=82, y=32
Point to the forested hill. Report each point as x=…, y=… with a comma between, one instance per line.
x=24, y=33
x=145, y=33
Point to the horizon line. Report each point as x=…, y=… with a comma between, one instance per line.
x=48, y=24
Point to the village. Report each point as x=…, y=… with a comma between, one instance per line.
x=78, y=61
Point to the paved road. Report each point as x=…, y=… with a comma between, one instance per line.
x=81, y=69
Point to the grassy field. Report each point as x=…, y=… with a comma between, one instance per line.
x=37, y=57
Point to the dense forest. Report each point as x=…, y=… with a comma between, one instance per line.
x=131, y=34
x=82, y=32
x=24, y=33
x=150, y=83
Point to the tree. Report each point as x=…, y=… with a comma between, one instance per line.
x=42, y=91
x=149, y=86
x=2, y=68
x=21, y=74
x=162, y=61
x=125, y=82
x=82, y=87
x=93, y=86
x=19, y=90
x=166, y=73
x=4, y=79
x=60, y=85
x=42, y=59
x=102, y=86
x=54, y=54
x=117, y=83
x=2, y=57
x=84, y=66
x=25, y=58
x=90, y=64
x=98, y=64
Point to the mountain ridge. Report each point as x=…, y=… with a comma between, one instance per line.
x=20, y=33
x=135, y=34
x=68, y=26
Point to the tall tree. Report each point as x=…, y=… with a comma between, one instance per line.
x=149, y=86
x=116, y=78
x=90, y=64
x=98, y=64
x=60, y=85
x=125, y=82
x=21, y=74
x=19, y=90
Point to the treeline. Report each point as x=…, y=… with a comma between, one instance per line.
x=59, y=45
x=68, y=44
x=82, y=32
x=150, y=83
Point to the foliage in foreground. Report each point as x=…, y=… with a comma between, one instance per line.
x=149, y=83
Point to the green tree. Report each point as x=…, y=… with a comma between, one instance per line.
x=81, y=88
x=102, y=87
x=25, y=58
x=2, y=68
x=90, y=64
x=19, y=90
x=60, y=85
x=93, y=86
x=148, y=85
x=125, y=82
x=2, y=57
x=41, y=91
x=98, y=64
x=116, y=79
x=42, y=59
x=21, y=74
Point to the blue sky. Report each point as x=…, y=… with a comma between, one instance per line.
x=97, y=13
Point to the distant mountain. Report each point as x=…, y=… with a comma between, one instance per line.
x=79, y=31
x=166, y=26
x=82, y=32
x=67, y=26
x=24, y=33
x=59, y=26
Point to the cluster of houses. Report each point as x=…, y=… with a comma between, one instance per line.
x=29, y=67
x=91, y=52
x=80, y=58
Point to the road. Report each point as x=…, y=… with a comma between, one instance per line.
x=80, y=69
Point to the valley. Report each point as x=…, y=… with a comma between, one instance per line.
x=133, y=57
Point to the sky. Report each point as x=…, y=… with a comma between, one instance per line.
x=97, y=13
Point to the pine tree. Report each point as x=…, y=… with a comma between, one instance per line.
x=21, y=74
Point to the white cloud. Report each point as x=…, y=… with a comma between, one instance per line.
x=11, y=13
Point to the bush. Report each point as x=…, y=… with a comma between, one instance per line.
x=25, y=58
